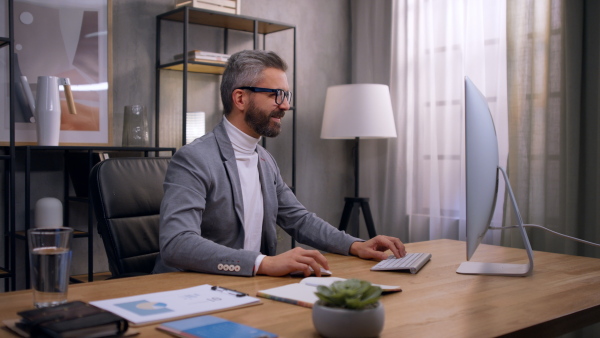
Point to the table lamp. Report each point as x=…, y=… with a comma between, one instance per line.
x=355, y=111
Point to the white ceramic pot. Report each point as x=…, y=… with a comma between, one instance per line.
x=335, y=322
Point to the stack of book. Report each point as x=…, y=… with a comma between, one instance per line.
x=73, y=319
x=203, y=56
x=226, y=6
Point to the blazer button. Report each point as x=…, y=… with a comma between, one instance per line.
x=237, y=268
x=220, y=266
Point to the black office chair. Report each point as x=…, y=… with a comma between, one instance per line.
x=126, y=194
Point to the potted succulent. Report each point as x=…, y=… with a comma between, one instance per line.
x=348, y=308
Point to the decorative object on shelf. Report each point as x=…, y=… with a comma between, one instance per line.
x=48, y=213
x=349, y=308
x=135, y=126
x=355, y=111
x=77, y=48
x=227, y=6
x=46, y=107
x=50, y=264
x=195, y=125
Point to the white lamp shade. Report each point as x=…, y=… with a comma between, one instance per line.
x=358, y=110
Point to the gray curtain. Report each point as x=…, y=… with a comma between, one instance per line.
x=553, y=107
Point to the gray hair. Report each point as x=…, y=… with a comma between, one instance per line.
x=244, y=69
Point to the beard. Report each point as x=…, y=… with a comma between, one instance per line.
x=261, y=122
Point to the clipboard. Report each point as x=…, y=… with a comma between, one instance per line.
x=158, y=307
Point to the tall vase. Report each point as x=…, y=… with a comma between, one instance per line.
x=135, y=126
x=47, y=111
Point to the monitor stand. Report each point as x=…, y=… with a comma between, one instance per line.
x=503, y=269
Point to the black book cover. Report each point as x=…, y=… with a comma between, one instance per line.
x=72, y=319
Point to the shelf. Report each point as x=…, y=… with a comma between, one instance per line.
x=4, y=273
x=97, y=276
x=93, y=148
x=84, y=167
x=196, y=67
x=76, y=234
x=224, y=20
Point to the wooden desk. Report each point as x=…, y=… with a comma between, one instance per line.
x=563, y=294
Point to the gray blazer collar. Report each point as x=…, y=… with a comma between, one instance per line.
x=228, y=157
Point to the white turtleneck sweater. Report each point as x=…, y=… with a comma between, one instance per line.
x=244, y=148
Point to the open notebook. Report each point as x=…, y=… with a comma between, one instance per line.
x=303, y=293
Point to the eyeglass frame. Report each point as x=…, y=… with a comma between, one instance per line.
x=285, y=94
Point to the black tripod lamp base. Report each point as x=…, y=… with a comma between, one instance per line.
x=364, y=205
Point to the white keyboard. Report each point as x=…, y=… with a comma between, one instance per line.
x=412, y=262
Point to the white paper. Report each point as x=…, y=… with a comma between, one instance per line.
x=155, y=307
x=315, y=281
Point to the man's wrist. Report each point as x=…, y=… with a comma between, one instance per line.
x=353, y=250
x=257, y=263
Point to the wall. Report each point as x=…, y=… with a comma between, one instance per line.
x=324, y=167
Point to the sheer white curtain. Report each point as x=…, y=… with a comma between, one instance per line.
x=435, y=43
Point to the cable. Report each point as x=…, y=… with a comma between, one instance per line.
x=544, y=228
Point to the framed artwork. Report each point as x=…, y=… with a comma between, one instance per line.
x=67, y=39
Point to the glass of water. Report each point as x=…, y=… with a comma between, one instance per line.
x=50, y=264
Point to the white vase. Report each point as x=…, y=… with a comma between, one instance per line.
x=335, y=322
x=48, y=112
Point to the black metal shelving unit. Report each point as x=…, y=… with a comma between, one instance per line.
x=90, y=152
x=7, y=270
x=195, y=16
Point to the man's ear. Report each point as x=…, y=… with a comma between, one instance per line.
x=240, y=99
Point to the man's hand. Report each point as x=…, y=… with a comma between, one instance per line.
x=375, y=247
x=297, y=259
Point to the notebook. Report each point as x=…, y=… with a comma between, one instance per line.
x=303, y=293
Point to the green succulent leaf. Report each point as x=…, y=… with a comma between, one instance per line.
x=350, y=294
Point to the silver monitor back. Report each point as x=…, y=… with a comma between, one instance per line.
x=482, y=167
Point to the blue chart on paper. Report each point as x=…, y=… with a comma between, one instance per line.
x=144, y=307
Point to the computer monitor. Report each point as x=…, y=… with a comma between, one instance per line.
x=482, y=177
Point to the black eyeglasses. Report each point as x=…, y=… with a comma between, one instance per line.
x=281, y=94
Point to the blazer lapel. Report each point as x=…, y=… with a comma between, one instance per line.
x=269, y=192
x=228, y=157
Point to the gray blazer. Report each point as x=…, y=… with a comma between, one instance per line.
x=201, y=216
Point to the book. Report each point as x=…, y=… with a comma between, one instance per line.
x=199, y=55
x=72, y=319
x=211, y=327
x=161, y=306
x=221, y=63
x=303, y=293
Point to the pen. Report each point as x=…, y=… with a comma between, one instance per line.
x=235, y=292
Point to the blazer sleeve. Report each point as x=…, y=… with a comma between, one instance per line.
x=306, y=227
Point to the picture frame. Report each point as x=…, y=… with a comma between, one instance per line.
x=67, y=39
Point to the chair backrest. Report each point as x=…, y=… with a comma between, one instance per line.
x=126, y=194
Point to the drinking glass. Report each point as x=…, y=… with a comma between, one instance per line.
x=50, y=259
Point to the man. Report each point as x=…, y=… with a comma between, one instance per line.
x=224, y=193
